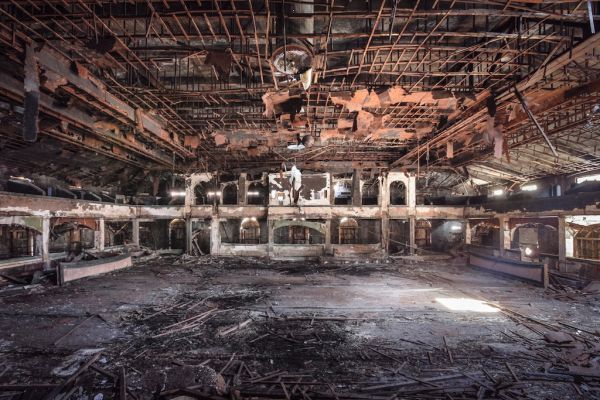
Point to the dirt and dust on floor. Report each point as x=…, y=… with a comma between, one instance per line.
x=209, y=328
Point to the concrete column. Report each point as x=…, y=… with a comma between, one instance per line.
x=356, y=189
x=467, y=232
x=99, y=235
x=271, y=237
x=242, y=190
x=384, y=201
x=46, y=242
x=504, y=235
x=562, y=244
x=189, y=231
x=411, y=192
x=215, y=236
x=328, y=248
x=190, y=194
x=136, y=232
x=412, y=234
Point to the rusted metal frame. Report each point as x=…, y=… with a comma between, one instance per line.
x=29, y=28
x=440, y=48
x=517, y=136
x=12, y=87
x=534, y=11
x=262, y=79
x=162, y=22
x=373, y=30
x=160, y=101
x=534, y=120
x=111, y=101
x=398, y=38
x=553, y=66
x=222, y=20
x=423, y=42
x=183, y=31
x=237, y=20
x=520, y=54
x=468, y=52
x=526, y=13
x=327, y=37
x=192, y=21
x=335, y=36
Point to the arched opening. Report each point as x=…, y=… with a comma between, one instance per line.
x=486, y=233
x=348, y=231
x=257, y=194
x=397, y=193
x=370, y=192
x=300, y=232
x=177, y=234
x=18, y=241
x=250, y=231
x=207, y=193
x=230, y=194
x=538, y=237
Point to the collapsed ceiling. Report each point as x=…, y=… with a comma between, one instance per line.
x=95, y=91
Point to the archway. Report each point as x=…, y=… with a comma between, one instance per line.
x=370, y=192
x=397, y=193
x=177, y=234
x=257, y=194
x=229, y=194
x=250, y=231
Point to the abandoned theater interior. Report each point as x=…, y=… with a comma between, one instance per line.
x=299, y=199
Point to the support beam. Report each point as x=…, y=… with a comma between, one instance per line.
x=562, y=244
x=32, y=96
x=504, y=235
x=356, y=192
x=242, y=189
x=189, y=232
x=136, y=232
x=215, y=235
x=46, y=242
x=412, y=234
x=99, y=235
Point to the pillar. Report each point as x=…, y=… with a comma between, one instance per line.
x=356, y=192
x=384, y=201
x=467, y=232
x=189, y=232
x=46, y=242
x=271, y=236
x=242, y=190
x=136, y=232
x=412, y=234
x=215, y=235
x=562, y=244
x=99, y=235
x=411, y=192
x=504, y=235
x=328, y=248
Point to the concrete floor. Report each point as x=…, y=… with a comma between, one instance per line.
x=346, y=328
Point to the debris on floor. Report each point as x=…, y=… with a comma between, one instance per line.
x=208, y=328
